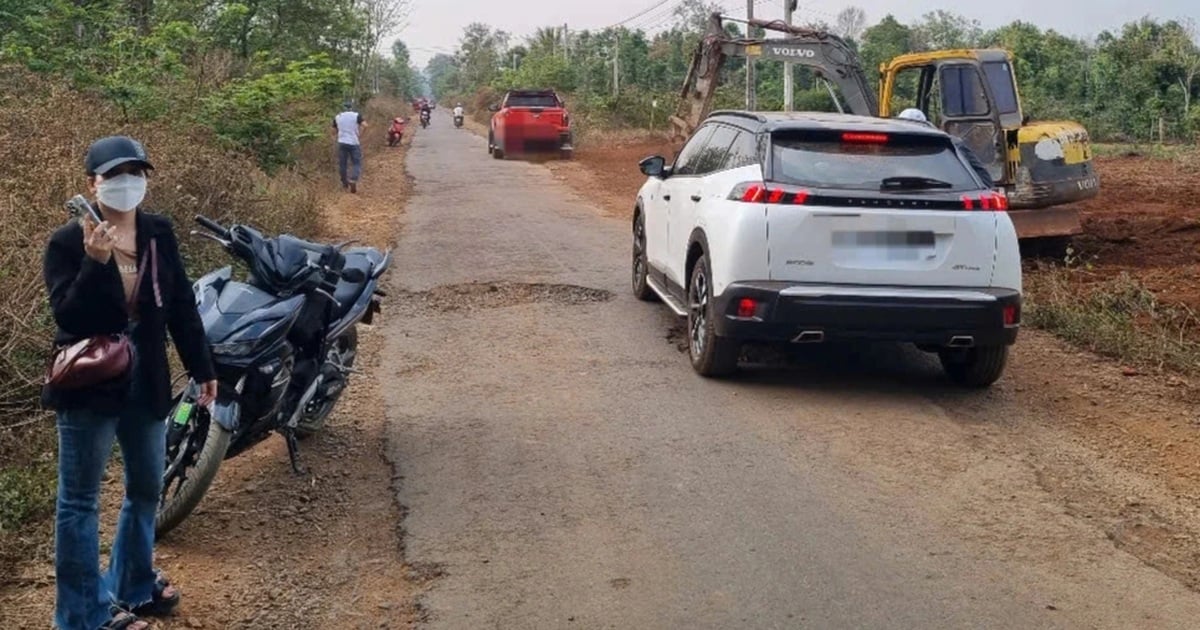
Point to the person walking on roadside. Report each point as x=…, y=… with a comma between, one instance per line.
x=347, y=128
x=121, y=276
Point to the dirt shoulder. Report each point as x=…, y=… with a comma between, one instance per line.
x=267, y=548
x=1116, y=446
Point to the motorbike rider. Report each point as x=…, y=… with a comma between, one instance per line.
x=396, y=131
x=915, y=115
x=458, y=110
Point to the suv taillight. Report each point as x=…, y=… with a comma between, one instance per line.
x=758, y=192
x=994, y=201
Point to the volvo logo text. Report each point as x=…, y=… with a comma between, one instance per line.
x=781, y=51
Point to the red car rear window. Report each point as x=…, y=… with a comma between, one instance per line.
x=532, y=100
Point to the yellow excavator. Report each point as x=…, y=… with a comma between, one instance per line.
x=971, y=94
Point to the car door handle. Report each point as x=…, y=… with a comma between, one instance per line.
x=696, y=197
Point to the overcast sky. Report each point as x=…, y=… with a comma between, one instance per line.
x=436, y=25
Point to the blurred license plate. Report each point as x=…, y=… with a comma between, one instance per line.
x=894, y=245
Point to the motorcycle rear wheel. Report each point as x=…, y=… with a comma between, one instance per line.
x=194, y=479
x=313, y=419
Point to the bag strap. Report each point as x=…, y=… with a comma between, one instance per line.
x=151, y=258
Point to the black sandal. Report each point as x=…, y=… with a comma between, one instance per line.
x=159, y=606
x=122, y=620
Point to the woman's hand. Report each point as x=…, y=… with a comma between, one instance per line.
x=208, y=393
x=98, y=240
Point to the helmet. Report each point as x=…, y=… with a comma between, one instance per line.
x=913, y=114
x=108, y=153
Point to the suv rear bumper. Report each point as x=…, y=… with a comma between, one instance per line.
x=933, y=316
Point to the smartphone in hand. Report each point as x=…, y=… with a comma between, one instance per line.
x=78, y=207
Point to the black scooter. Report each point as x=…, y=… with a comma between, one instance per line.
x=284, y=344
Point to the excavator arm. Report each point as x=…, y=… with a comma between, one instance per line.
x=827, y=54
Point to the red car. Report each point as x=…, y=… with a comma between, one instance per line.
x=529, y=121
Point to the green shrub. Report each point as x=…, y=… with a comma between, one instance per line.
x=272, y=115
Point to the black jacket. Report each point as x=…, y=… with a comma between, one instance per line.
x=88, y=299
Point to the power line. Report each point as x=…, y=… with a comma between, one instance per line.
x=658, y=18
x=638, y=14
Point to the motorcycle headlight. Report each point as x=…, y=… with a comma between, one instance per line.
x=234, y=348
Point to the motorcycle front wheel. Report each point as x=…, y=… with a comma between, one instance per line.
x=193, y=458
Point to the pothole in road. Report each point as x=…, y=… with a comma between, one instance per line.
x=484, y=295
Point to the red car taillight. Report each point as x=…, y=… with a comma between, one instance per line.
x=995, y=201
x=757, y=192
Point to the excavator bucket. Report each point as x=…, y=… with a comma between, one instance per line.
x=1046, y=222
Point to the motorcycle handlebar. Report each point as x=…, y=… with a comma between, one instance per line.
x=212, y=226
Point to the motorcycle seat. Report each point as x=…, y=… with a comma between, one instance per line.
x=364, y=259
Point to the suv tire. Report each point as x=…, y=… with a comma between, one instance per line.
x=974, y=367
x=639, y=264
x=711, y=355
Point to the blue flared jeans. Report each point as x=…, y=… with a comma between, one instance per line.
x=85, y=596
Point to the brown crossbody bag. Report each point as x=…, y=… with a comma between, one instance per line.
x=102, y=358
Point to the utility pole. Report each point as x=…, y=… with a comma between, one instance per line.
x=751, y=97
x=788, y=89
x=566, y=40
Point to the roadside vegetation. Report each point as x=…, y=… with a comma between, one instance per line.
x=231, y=99
x=1116, y=316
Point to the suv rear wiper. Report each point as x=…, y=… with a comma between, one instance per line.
x=913, y=183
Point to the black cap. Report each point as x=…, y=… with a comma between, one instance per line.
x=108, y=153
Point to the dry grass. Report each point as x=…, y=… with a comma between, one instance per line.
x=1116, y=317
x=45, y=129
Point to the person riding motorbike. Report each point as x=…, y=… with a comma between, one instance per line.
x=458, y=115
x=396, y=131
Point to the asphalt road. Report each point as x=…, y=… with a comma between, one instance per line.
x=562, y=467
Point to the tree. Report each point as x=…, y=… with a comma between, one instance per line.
x=692, y=15
x=480, y=55
x=942, y=30
x=887, y=39
x=1182, y=48
x=442, y=73
x=851, y=22
x=379, y=19
x=401, y=74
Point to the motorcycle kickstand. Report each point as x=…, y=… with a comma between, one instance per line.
x=289, y=435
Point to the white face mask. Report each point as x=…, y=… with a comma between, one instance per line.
x=122, y=193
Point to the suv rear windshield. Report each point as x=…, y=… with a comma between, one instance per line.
x=532, y=100
x=824, y=160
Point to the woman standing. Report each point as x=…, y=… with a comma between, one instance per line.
x=95, y=288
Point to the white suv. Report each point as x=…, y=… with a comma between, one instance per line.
x=812, y=227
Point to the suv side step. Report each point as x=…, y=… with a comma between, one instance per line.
x=667, y=298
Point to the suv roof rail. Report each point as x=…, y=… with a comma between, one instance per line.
x=740, y=114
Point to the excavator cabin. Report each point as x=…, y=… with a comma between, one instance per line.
x=971, y=94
